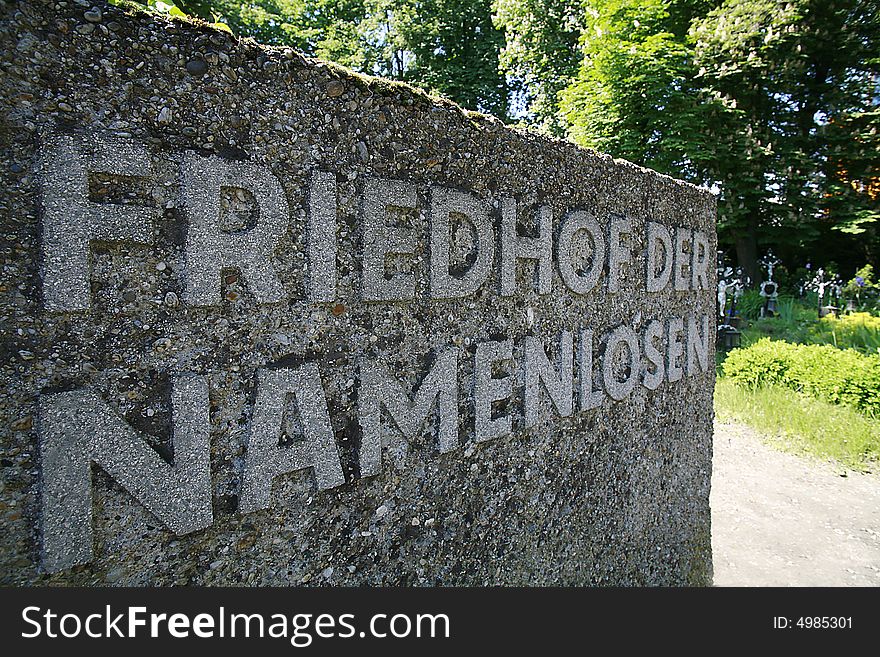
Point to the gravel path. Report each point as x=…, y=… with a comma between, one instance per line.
x=784, y=520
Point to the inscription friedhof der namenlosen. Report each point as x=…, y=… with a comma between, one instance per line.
x=338, y=338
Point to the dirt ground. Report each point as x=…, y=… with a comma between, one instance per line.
x=785, y=520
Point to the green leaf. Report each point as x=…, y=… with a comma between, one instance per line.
x=222, y=26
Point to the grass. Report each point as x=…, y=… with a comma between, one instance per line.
x=794, y=421
x=802, y=424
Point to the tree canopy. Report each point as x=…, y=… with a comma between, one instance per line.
x=774, y=104
x=451, y=47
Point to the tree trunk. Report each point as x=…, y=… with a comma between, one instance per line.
x=747, y=255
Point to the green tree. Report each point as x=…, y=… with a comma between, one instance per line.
x=772, y=103
x=635, y=95
x=455, y=48
x=447, y=46
x=540, y=55
x=803, y=75
x=338, y=30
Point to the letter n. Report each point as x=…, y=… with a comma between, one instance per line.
x=78, y=428
x=698, y=347
x=557, y=383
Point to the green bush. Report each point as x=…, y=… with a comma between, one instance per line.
x=839, y=376
x=798, y=322
x=861, y=283
x=791, y=323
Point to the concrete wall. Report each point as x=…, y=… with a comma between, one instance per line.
x=270, y=322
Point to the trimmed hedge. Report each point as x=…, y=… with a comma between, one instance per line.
x=839, y=376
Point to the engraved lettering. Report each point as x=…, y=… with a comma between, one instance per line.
x=615, y=387
x=267, y=456
x=321, y=236
x=71, y=222
x=697, y=347
x=381, y=240
x=675, y=349
x=659, y=244
x=653, y=377
x=580, y=282
x=515, y=247
x=682, y=275
x=558, y=381
x=488, y=390
x=590, y=395
x=444, y=202
x=619, y=252
x=700, y=261
x=380, y=390
x=78, y=428
x=210, y=248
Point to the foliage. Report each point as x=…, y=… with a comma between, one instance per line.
x=456, y=48
x=797, y=321
x=749, y=304
x=861, y=283
x=801, y=423
x=540, y=55
x=169, y=8
x=771, y=103
x=450, y=47
x=792, y=322
x=634, y=94
x=801, y=397
x=860, y=331
x=838, y=376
